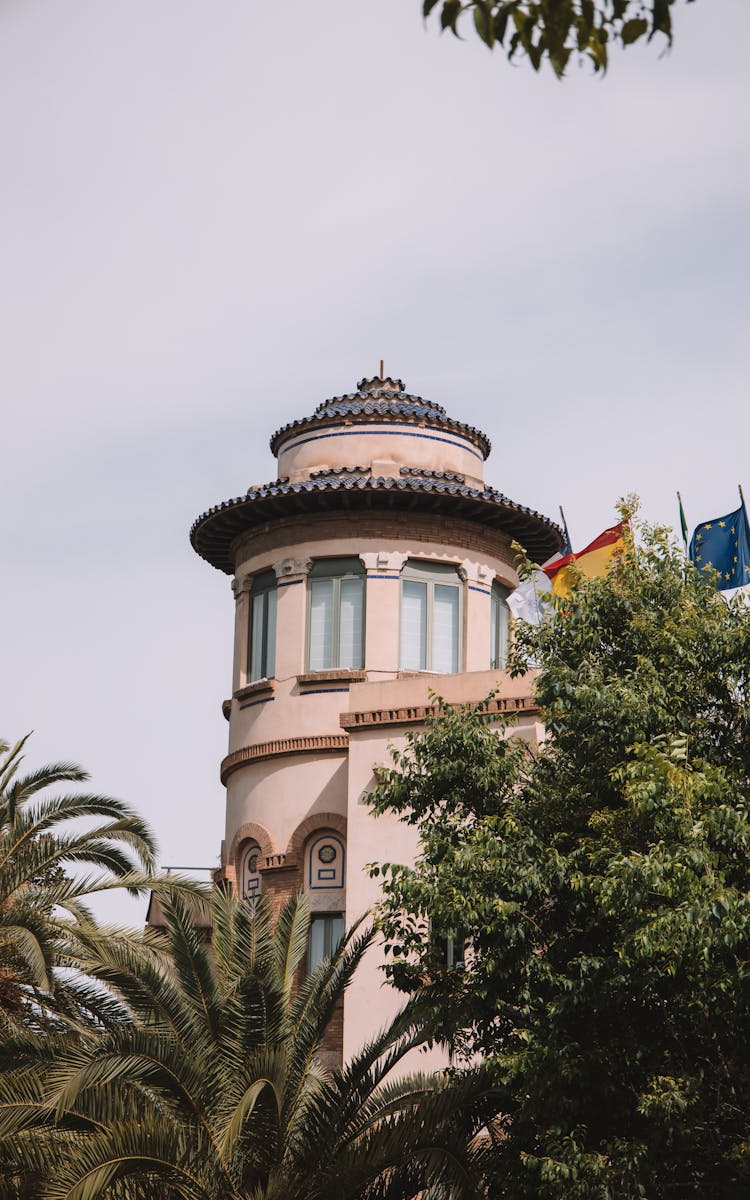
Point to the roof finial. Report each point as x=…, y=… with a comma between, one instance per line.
x=382, y=375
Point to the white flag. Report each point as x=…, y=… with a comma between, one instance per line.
x=529, y=600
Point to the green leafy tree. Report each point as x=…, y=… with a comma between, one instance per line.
x=555, y=30
x=215, y=1089
x=601, y=883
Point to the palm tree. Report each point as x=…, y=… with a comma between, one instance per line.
x=42, y=895
x=214, y=1088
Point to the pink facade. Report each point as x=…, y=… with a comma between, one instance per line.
x=372, y=571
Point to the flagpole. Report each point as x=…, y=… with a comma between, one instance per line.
x=565, y=527
x=683, y=523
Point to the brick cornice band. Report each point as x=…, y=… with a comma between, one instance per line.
x=413, y=714
x=335, y=743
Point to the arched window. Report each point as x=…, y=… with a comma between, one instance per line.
x=262, y=641
x=431, y=603
x=325, y=863
x=249, y=874
x=498, y=626
x=335, y=619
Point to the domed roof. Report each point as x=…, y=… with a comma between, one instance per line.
x=384, y=399
x=432, y=464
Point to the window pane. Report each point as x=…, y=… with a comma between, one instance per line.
x=499, y=629
x=270, y=663
x=445, y=629
x=321, y=624
x=334, y=932
x=350, y=623
x=325, y=934
x=256, y=642
x=413, y=625
x=317, y=950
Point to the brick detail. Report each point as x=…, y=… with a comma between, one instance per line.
x=410, y=528
x=332, y=742
x=416, y=713
x=316, y=821
x=279, y=885
x=332, y=1042
x=250, y=831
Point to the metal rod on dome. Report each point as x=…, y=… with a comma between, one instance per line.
x=381, y=369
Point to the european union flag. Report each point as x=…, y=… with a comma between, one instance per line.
x=724, y=544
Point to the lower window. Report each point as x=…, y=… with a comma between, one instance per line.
x=326, y=934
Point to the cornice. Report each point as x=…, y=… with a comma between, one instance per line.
x=417, y=713
x=331, y=743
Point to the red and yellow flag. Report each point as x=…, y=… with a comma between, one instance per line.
x=593, y=560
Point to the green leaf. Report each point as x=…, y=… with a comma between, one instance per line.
x=632, y=30
x=483, y=23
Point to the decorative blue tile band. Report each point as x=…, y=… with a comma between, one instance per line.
x=323, y=691
x=402, y=431
x=263, y=700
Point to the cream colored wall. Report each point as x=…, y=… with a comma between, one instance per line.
x=370, y=1003
x=279, y=793
x=384, y=447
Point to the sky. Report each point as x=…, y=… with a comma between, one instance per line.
x=213, y=216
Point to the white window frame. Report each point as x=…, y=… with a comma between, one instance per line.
x=499, y=626
x=432, y=574
x=264, y=585
x=336, y=570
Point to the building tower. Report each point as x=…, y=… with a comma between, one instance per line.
x=376, y=561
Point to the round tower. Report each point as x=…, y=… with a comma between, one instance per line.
x=376, y=561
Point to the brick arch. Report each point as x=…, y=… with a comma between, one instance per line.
x=250, y=832
x=316, y=821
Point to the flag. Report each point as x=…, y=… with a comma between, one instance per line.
x=591, y=561
x=683, y=522
x=724, y=544
x=528, y=602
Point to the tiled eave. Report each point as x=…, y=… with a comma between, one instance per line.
x=213, y=534
x=399, y=408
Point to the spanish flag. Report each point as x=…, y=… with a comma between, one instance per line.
x=594, y=560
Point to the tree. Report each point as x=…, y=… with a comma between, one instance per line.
x=601, y=882
x=42, y=899
x=49, y=1004
x=556, y=29
x=214, y=1088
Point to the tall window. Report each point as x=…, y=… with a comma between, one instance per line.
x=262, y=650
x=326, y=932
x=498, y=626
x=335, y=624
x=430, y=618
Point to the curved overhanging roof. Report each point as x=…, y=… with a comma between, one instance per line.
x=380, y=400
x=213, y=534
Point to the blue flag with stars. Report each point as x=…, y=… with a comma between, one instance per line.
x=724, y=544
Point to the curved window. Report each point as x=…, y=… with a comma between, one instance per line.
x=430, y=618
x=335, y=619
x=498, y=626
x=249, y=874
x=325, y=863
x=262, y=646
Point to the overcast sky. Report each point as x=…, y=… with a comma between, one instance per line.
x=216, y=215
